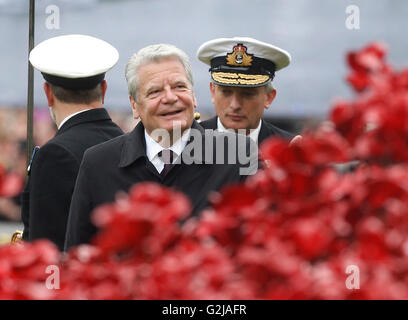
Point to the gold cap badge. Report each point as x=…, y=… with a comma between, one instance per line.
x=239, y=57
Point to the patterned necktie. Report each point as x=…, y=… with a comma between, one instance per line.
x=167, y=156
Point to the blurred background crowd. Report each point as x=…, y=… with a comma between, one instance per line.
x=13, y=153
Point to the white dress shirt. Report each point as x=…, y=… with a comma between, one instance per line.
x=153, y=149
x=253, y=134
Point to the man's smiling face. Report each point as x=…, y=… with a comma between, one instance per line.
x=165, y=96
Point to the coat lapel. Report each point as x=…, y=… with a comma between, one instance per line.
x=210, y=123
x=134, y=146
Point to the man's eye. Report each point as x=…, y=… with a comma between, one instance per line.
x=249, y=94
x=152, y=93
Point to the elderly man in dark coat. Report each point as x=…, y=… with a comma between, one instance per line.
x=167, y=146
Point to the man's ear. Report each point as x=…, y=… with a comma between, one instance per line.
x=135, y=110
x=194, y=101
x=49, y=94
x=212, y=90
x=270, y=96
x=104, y=87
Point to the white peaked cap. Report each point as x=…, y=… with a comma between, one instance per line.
x=73, y=56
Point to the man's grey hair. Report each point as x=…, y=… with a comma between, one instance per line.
x=154, y=53
x=269, y=87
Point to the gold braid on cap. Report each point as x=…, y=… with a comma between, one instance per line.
x=239, y=78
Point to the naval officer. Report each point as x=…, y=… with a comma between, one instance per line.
x=242, y=70
x=74, y=68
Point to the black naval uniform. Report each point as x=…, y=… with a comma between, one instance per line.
x=47, y=194
x=267, y=130
x=122, y=162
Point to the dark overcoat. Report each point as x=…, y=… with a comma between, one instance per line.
x=122, y=162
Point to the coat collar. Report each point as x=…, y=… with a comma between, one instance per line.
x=211, y=123
x=268, y=130
x=263, y=133
x=87, y=116
x=134, y=146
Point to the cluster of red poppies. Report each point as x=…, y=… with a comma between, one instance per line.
x=301, y=228
x=23, y=270
x=375, y=123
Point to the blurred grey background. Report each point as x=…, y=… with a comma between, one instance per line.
x=313, y=31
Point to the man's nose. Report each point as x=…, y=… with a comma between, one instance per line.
x=235, y=102
x=169, y=96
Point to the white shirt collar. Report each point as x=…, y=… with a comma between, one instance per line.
x=254, y=133
x=70, y=116
x=153, y=148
